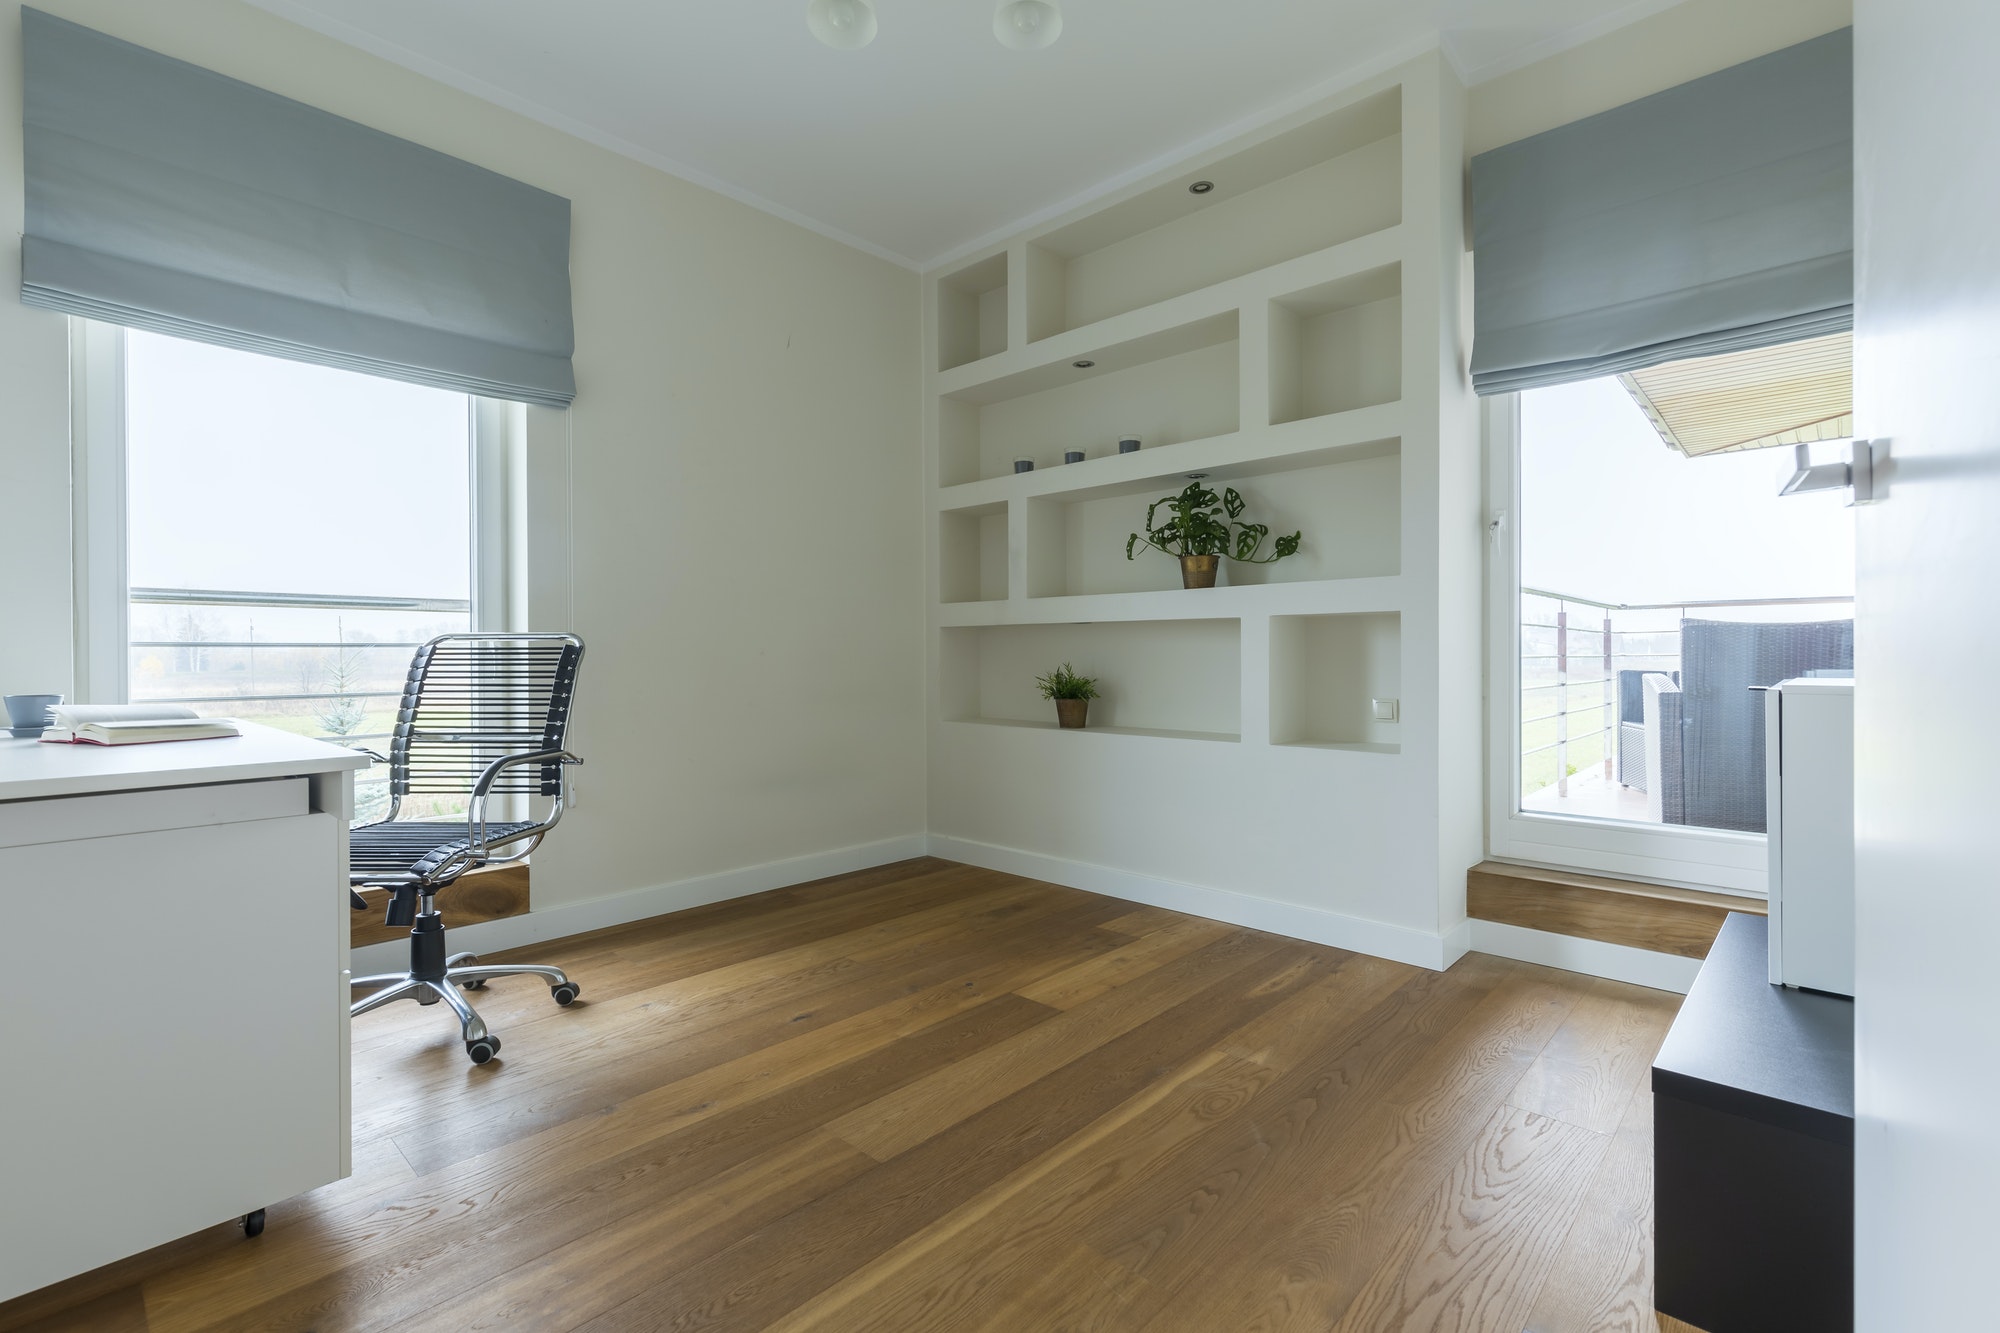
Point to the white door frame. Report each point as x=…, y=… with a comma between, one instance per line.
x=1659, y=853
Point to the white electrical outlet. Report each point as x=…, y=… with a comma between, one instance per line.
x=1384, y=710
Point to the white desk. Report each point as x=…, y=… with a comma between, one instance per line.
x=173, y=990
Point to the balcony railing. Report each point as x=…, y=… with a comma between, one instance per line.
x=1572, y=649
x=329, y=666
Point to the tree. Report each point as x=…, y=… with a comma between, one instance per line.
x=343, y=712
x=192, y=632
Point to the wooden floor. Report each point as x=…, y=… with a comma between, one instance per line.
x=931, y=1097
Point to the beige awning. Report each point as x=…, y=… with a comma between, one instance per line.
x=1792, y=394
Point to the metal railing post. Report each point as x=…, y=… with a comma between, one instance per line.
x=1610, y=699
x=1562, y=701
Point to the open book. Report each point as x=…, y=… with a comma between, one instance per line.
x=131, y=724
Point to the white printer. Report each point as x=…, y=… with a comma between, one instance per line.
x=1809, y=812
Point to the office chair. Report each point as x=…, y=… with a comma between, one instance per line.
x=482, y=715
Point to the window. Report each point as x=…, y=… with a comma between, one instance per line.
x=290, y=534
x=1648, y=580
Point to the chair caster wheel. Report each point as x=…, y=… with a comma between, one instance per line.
x=253, y=1223
x=477, y=983
x=467, y=960
x=566, y=993
x=483, y=1049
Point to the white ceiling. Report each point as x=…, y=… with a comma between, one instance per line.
x=935, y=137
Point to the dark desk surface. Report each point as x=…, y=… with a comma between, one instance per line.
x=1744, y=1046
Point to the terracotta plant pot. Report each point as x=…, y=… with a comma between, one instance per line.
x=1198, y=571
x=1070, y=712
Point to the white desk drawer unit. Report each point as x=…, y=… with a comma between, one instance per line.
x=78, y=818
x=173, y=1033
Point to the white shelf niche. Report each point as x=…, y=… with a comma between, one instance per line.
x=1167, y=387
x=1337, y=347
x=972, y=312
x=1158, y=677
x=1346, y=502
x=972, y=554
x=1326, y=670
x=1331, y=180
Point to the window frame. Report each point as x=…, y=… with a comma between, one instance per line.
x=1713, y=859
x=498, y=499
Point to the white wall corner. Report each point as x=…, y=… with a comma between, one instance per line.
x=1457, y=942
x=568, y=919
x=1315, y=925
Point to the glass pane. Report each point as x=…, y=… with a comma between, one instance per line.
x=1539, y=610
x=1543, y=701
x=262, y=586
x=1706, y=581
x=247, y=472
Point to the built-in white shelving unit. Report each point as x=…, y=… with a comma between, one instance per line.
x=1290, y=328
x=1326, y=673
x=1176, y=677
x=972, y=313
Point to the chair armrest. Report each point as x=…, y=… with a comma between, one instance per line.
x=475, y=811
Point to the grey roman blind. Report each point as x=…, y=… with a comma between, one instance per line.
x=1712, y=217
x=164, y=196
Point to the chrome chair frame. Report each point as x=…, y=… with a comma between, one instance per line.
x=433, y=976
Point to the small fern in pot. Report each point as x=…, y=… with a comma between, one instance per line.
x=1071, y=692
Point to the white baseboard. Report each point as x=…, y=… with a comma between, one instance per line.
x=595, y=914
x=1401, y=944
x=1618, y=962
x=1457, y=942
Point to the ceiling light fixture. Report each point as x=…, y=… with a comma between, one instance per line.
x=844, y=25
x=1083, y=365
x=1027, y=25
x=1201, y=187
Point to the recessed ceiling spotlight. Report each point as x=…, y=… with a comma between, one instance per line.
x=1083, y=365
x=844, y=25
x=1201, y=187
x=1027, y=25
x=1196, y=476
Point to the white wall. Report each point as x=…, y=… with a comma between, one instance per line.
x=743, y=453
x=1926, y=641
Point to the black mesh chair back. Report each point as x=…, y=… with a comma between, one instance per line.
x=472, y=699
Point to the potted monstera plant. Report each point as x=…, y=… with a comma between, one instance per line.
x=1201, y=528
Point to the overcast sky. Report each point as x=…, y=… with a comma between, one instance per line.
x=1610, y=513
x=246, y=472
